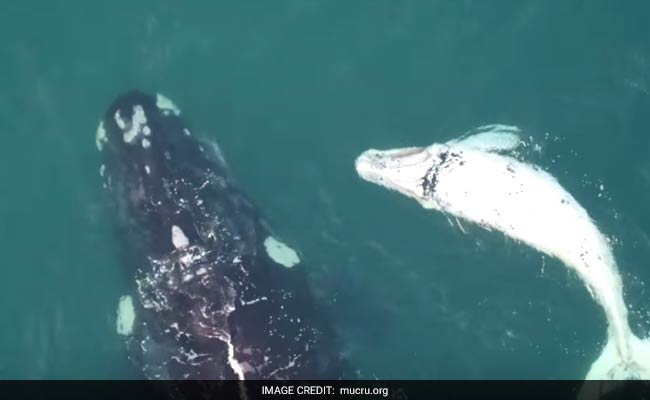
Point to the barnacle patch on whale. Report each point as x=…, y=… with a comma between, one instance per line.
x=137, y=121
x=125, y=315
x=280, y=252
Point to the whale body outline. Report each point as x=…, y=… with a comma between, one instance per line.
x=212, y=293
x=474, y=178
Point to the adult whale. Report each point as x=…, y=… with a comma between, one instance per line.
x=474, y=179
x=212, y=294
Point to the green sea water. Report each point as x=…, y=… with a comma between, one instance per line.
x=293, y=91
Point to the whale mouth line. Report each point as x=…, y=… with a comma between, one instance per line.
x=405, y=152
x=388, y=159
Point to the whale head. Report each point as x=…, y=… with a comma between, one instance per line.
x=148, y=154
x=405, y=170
x=140, y=138
x=141, y=132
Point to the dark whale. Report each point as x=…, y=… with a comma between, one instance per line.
x=213, y=295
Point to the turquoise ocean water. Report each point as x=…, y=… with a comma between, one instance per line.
x=293, y=91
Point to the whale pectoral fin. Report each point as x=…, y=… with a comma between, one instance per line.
x=490, y=138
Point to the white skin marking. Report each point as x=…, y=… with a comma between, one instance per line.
x=178, y=238
x=146, y=130
x=232, y=361
x=495, y=191
x=146, y=143
x=138, y=119
x=102, y=170
x=119, y=121
x=147, y=169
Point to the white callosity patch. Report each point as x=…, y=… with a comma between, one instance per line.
x=280, y=252
x=100, y=136
x=178, y=238
x=102, y=170
x=119, y=121
x=146, y=130
x=147, y=169
x=146, y=143
x=138, y=120
x=166, y=105
x=125, y=315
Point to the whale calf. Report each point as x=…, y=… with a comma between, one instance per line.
x=477, y=179
x=212, y=294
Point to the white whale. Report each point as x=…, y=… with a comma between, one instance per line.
x=474, y=179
